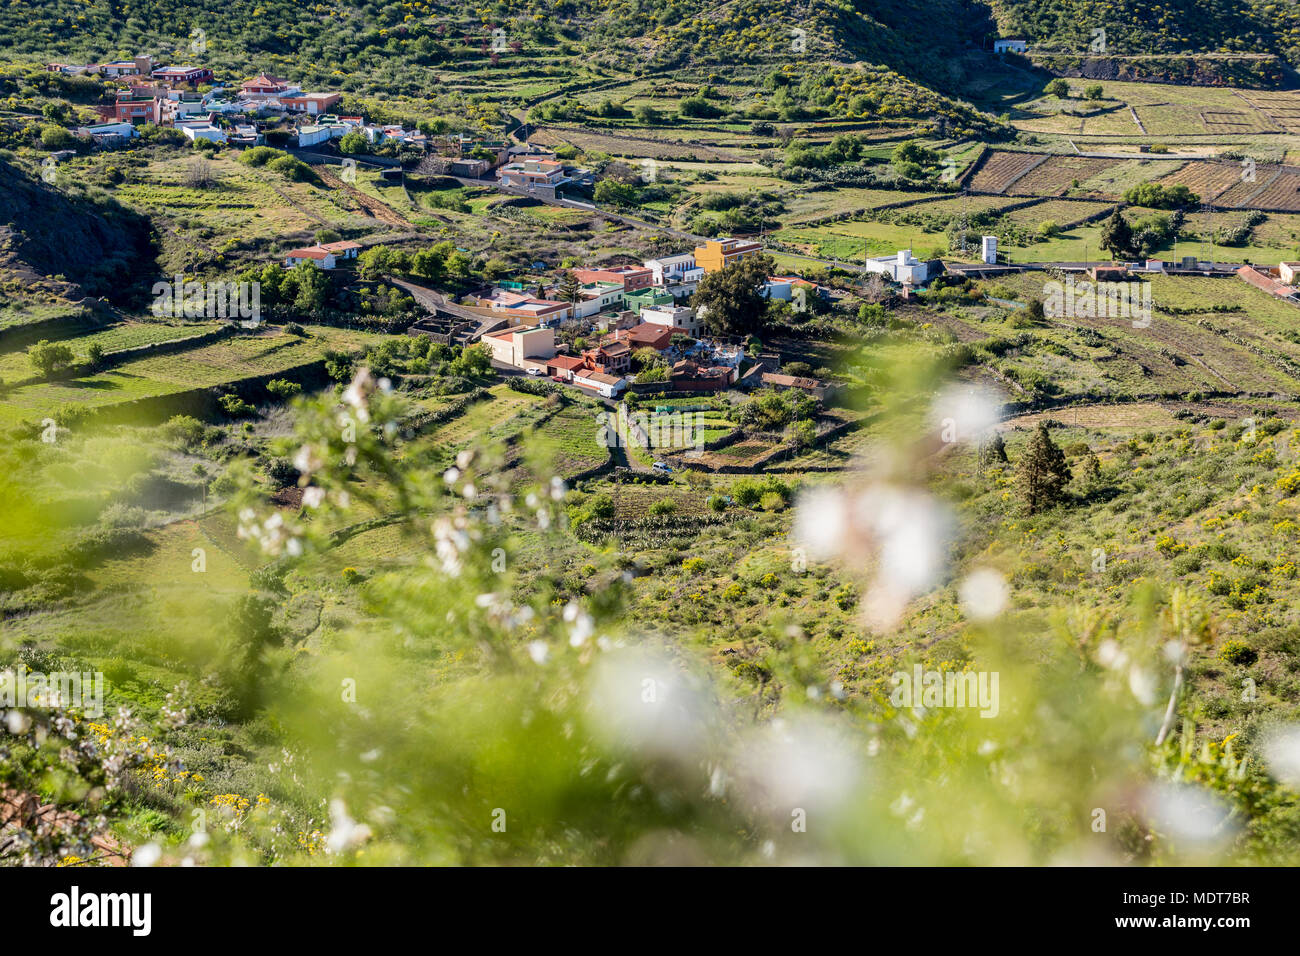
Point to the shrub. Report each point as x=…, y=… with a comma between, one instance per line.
x=1238, y=652
x=283, y=388
x=234, y=406
x=664, y=506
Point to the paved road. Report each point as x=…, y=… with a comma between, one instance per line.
x=435, y=301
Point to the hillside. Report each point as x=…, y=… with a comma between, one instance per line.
x=1139, y=28
x=349, y=44
x=85, y=238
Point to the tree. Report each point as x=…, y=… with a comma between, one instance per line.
x=1042, y=473
x=313, y=287
x=95, y=355
x=569, y=288
x=47, y=357
x=608, y=191
x=801, y=434
x=1156, y=196
x=1094, y=92
x=992, y=451
x=199, y=175
x=729, y=300
x=55, y=137
x=354, y=143
x=375, y=262
x=1058, y=88
x=1116, y=236
x=474, y=361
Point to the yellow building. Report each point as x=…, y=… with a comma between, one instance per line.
x=717, y=254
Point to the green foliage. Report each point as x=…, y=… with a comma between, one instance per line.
x=1157, y=196
x=731, y=299
x=282, y=388
x=1042, y=473
x=48, y=357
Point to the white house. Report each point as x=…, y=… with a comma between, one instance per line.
x=598, y=297
x=196, y=131
x=607, y=386
x=672, y=270
x=900, y=267
x=728, y=355
x=313, y=135
x=1010, y=46
x=320, y=258
x=671, y=316
x=107, y=129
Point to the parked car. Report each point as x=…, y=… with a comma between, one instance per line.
x=661, y=466
x=534, y=370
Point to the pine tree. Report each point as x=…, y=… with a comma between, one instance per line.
x=1090, y=479
x=992, y=450
x=569, y=289
x=1042, y=473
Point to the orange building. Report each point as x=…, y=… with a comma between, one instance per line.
x=717, y=254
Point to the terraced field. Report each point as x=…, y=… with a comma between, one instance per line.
x=1272, y=188
x=482, y=417
x=1115, y=179
x=15, y=365
x=1206, y=179
x=220, y=363
x=1187, y=349
x=569, y=439
x=1057, y=176
x=1001, y=169
x=1060, y=211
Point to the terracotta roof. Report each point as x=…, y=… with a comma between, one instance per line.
x=340, y=246
x=314, y=252
x=790, y=381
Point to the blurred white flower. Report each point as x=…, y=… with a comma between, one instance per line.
x=803, y=762
x=642, y=700
x=821, y=521
x=911, y=530
x=963, y=413
x=1143, y=685
x=984, y=594
x=313, y=497
x=1188, y=813
x=538, y=651
x=1282, y=754
x=146, y=855
x=346, y=832
x=358, y=393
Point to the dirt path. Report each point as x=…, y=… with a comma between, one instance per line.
x=369, y=205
